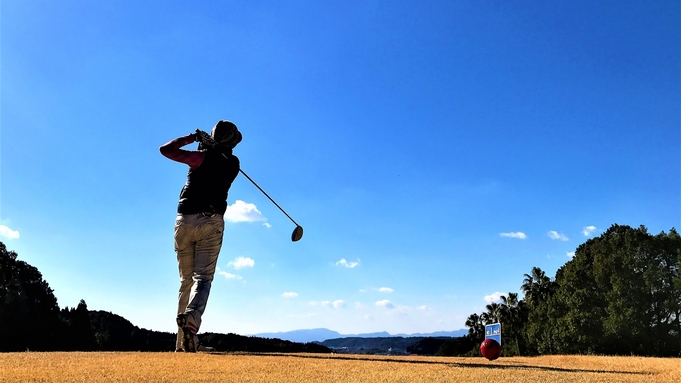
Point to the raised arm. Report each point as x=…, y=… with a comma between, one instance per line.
x=172, y=150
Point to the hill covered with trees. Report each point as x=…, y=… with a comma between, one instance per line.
x=619, y=295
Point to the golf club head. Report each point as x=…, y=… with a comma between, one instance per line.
x=297, y=234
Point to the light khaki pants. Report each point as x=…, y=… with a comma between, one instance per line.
x=198, y=239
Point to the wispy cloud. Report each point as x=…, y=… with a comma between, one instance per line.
x=8, y=233
x=588, y=230
x=241, y=262
x=229, y=275
x=493, y=298
x=385, y=303
x=385, y=290
x=289, y=294
x=556, y=235
x=423, y=309
x=347, y=264
x=517, y=234
x=571, y=254
x=337, y=304
x=241, y=211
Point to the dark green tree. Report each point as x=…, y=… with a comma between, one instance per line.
x=539, y=328
x=618, y=295
x=476, y=327
x=542, y=335
x=29, y=314
x=513, y=318
x=80, y=329
x=495, y=313
x=670, y=245
x=537, y=287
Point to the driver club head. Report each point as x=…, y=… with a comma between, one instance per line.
x=297, y=234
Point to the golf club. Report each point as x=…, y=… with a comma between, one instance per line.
x=206, y=139
x=298, y=231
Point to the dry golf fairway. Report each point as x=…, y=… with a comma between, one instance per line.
x=247, y=367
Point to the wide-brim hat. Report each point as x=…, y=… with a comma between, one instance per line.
x=225, y=133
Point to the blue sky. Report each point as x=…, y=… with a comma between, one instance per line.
x=434, y=152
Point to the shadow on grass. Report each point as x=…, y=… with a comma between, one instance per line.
x=444, y=363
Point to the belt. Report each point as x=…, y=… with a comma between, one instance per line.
x=205, y=214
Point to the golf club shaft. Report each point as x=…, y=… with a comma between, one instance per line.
x=263, y=192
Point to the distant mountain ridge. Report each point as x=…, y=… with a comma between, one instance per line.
x=322, y=334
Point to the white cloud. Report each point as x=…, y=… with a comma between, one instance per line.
x=241, y=211
x=321, y=303
x=517, y=234
x=556, y=235
x=8, y=233
x=423, y=309
x=230, y=275
x=289, y=294
x=347, y=264
x=337, y=304
x=385, y=290
x=241, y=262
x=359, y=305
x=493, y=298
x=571, y=254
x=588, y=230
x=385, y=303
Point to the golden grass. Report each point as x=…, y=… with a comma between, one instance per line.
x=295, y=368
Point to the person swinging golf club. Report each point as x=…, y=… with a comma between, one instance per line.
x=199, y=226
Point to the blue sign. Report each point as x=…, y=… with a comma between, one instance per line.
x=493, y=331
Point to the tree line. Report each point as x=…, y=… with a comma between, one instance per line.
x=32, y=320
x=619, y=295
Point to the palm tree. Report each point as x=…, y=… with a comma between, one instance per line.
x=536, y=286
x=512, y=314
x=476, y=329
x=495, y=312
x=511, y=300
x=511, y=307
